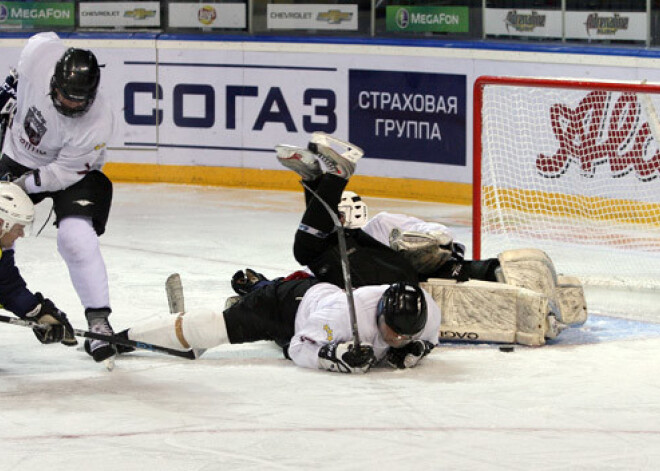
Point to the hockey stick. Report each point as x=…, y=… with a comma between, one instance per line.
x=345, y=267
x=174, y=290
x=113, y=339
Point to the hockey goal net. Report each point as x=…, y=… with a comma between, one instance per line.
x=570, y=167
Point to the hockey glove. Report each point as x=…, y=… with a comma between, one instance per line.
x=246, y=282
x=409, y=355
x=54, y=326
x=8, y=94
x=344, y=357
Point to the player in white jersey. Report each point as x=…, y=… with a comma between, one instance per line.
x=398, y=322
x=55, y=148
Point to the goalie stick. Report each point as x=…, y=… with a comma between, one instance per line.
x=345, y=267
x=113, y=339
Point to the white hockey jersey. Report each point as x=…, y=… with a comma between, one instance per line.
x=380, y=226
x=63, y=148
x=323, y=318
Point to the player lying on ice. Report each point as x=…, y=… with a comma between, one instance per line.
x=529, y=303
x=16, y=217
x=516, y=297
x=310, y=319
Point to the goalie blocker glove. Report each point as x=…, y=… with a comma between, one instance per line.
x=54, y=326
x=345, y=358
x=409, y=355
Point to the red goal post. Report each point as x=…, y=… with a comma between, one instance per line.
x=571, y=167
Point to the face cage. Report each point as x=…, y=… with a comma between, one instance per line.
x=353, y=219
x=84, y=107
x=391, y=338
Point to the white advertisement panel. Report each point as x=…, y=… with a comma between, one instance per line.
x=119, y=14
x=619, y=26
x=207, y=15
x=513, y=22
x=300, y=16
x=229, y=103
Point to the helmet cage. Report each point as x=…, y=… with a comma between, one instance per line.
x=353, y=209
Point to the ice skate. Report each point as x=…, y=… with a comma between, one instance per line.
x=341, y=164
x=301, y=161
x=100, y=350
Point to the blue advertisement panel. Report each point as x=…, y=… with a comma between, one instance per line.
x=408, y=116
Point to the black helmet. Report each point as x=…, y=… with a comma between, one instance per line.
x=77, y=75
x=404, y=307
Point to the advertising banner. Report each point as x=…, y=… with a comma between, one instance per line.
x=410, y=19
x=299, y=16
x=619, y=26
x=409, y=115
x=207, y=15
x=36, y=14
x=515, y=22
x=119, y=14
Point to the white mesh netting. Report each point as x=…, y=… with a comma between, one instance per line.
x=573, y=172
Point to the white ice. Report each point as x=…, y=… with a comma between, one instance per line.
x=589, y=401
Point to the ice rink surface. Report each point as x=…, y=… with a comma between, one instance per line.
x=591, y=400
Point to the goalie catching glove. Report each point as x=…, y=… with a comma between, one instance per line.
x=345, y=358
x=409, y=355
x=53, y=324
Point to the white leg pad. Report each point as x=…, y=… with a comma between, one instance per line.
x=533, y=269
x=199, y=329
x=572, y=304
x=529, y=268
x=491, y=312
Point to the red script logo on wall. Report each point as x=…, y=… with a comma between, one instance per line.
x=591, y=135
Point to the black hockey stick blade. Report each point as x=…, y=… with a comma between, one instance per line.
x=113, y=339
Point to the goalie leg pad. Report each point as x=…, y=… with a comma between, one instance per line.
x=529, y=268
x=196, y=329
x=572, y=304
x=491, y=312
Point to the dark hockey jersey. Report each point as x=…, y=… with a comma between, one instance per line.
x=371, y=262
x=14, y=295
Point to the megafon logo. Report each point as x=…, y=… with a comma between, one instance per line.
x=4, y=13
x=402, y=18
x=598, y=132
x=606, y=24
x=207, y=15
x=524, y=23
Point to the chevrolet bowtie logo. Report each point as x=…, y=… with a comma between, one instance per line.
x=140, y=13
x=334, y=16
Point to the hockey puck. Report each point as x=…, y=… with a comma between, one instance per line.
x=507, y=348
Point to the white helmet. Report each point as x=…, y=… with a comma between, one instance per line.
x=353, y=209
x=16, y=207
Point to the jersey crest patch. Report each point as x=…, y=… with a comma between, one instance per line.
x=329, y=332
x=34, y=126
